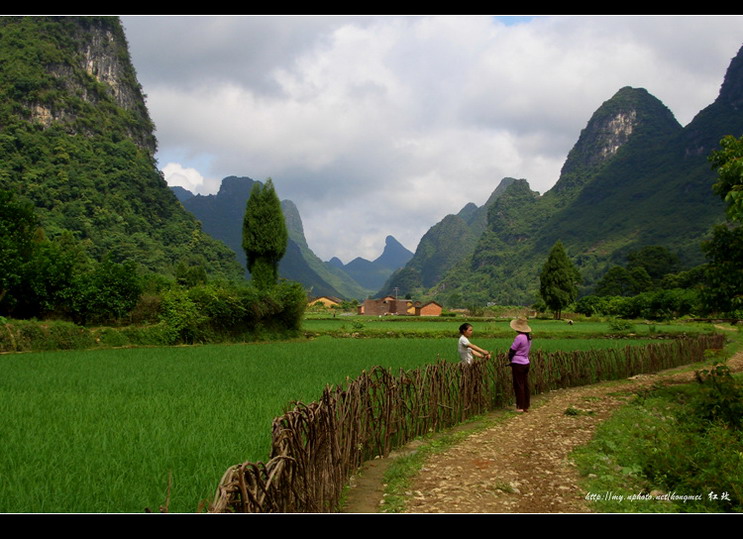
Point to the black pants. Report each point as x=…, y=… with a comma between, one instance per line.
x=521, y=385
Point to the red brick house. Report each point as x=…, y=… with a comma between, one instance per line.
x=429, y=309
x=388, y=305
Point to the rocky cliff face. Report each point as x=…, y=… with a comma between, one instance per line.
x=610, y=128
x=78, y=143
x=96, y=68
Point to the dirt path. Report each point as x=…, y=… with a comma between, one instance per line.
x=521, y=464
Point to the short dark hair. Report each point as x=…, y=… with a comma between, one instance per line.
x=464, y=327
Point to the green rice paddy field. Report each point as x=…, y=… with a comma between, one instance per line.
x=103, y=430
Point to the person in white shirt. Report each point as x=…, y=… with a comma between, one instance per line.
x=467, y=350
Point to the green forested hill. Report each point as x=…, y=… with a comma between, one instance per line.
x=445, y=245
x=634, y=178
x=627, y=183
x=77, y=141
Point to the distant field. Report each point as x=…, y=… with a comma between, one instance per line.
x=443, y=325
x=100, y=430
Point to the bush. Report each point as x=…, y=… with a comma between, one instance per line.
x=621, y=325
x=182, y=317
x=720, y=397
x=27, y=335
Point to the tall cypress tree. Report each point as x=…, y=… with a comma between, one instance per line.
x=558, y=280
x=264, y=234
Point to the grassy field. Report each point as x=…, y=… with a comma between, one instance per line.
x=448, y=327
x=102, y=430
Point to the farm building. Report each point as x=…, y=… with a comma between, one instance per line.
x=389, y=305
x=327, y=301
x=429, y=309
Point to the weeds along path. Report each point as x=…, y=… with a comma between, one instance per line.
x=520, y=465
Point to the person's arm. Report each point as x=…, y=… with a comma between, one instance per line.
x=477, y=351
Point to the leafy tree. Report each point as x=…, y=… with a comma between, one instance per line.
x=47, y=277
x=190, y=274
x=619, y=281
x=18, y=224
x=656, y=260
x=106, y=293
x=729, y=165
x=558, y=282
x=265, y=236
x=722, y=290
x=616, y=282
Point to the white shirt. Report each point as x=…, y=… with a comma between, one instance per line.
x=465, y=353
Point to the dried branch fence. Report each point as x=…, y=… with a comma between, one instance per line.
x=316, y=447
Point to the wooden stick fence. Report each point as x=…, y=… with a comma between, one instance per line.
x=318, y=446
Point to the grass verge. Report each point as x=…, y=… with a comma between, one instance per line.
x=672, y=449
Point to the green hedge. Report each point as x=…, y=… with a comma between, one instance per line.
x=209, y=313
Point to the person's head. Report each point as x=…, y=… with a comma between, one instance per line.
x=465, y=328
x=520, y=325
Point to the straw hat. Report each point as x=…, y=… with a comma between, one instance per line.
x=520, y=325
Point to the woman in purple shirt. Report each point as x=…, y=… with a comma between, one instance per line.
x=518, y=355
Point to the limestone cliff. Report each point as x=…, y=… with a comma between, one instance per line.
x=77, y=141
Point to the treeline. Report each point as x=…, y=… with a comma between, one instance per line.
x=58, y=279
x=648, y=287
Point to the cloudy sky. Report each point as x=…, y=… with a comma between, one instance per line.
x=383, y=125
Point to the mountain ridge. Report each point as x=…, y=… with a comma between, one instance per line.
x=221, y=216
x=632, y=179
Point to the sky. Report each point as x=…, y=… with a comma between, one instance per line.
x=383, y=125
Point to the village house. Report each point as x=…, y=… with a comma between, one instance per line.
x=327, y=301
x=429, y=309
x=390, y=305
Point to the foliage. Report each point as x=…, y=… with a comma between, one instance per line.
x=28, y=335
x=728, y=162
x=722, y=290
x=107, y=293
x=621, y=325
x=689, y=444
x=82, y=153
x=216, y=312
x=18, y=223
x=656, y=260
x=619, y=281
x=265, y=234
x=719, y=397
x=656, y=305
x=182, y=317
x=558, y=280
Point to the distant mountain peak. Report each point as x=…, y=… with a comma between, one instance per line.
x=394, y=256
x=631, y=111
x=234, y=186
x=731, y=91
x=335, y=262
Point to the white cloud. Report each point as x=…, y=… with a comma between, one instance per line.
x=383, y=125
x=188, y=178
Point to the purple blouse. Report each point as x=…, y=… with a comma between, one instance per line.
x=521, y=345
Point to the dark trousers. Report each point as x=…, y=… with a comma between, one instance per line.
x=521, y=385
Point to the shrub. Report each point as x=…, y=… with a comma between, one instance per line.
x=720, y=397
x=183, y=320
x=621, y=325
